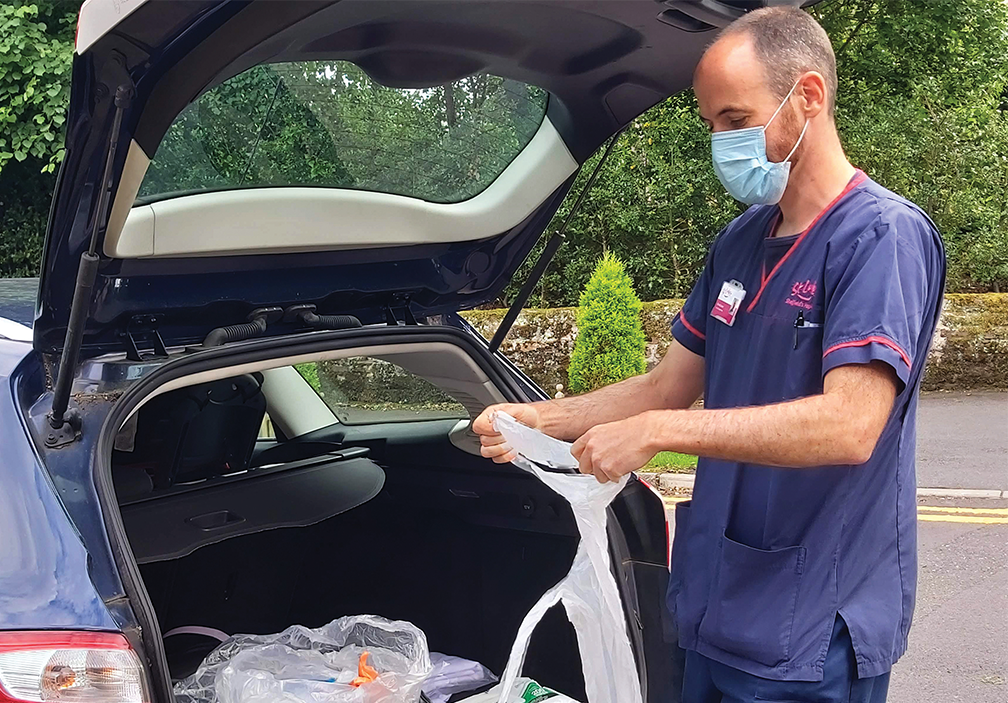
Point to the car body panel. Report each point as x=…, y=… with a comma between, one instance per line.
x=45, y=566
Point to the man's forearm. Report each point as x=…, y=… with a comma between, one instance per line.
x=675, y=383
x=794, y=434
x=569, y=418
x=839, y=427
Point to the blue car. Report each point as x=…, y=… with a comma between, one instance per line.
x=239, y=395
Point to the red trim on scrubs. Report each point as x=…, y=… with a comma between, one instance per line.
x=858, y=178
x=868, y=340
x=691, y=328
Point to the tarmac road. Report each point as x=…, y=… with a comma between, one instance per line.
x=958, y=647
x=962, y=440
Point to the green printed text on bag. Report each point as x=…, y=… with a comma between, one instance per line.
x=534, y=693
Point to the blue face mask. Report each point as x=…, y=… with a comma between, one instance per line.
x=742, y=166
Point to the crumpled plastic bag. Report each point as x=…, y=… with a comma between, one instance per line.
x=304, y=665
x=588, y=592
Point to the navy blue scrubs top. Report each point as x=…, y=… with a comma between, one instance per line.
x=764, y=558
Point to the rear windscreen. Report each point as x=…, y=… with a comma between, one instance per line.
x=326, y=123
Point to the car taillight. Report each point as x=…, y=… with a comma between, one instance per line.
x=72, y=667
x=668, y=542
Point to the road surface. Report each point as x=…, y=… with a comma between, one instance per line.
x=962, y=440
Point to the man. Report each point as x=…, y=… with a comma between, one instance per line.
x=794, y=565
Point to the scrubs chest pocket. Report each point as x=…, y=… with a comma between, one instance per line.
x=804, y=352
x=752, y=602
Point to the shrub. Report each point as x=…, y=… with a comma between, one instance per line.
x=610, y=344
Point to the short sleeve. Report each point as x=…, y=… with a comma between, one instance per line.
x=877, y=295
x=689, y=326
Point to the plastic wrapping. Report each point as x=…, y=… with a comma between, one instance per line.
x=452, y=675
x=588, y=592
x=303, y=665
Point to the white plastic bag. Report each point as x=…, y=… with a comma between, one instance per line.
x=303, y=665
x=524, y=691
x=588, y=592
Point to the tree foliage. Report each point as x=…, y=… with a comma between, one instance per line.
x=610, y=345
x=922, y=108
x=326, y=123
x=34, y=87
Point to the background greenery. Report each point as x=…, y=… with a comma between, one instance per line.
x=610, y=343
x=922, y=108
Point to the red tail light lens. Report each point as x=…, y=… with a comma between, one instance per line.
x=70, y=667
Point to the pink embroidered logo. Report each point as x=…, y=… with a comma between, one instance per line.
x=802, y=293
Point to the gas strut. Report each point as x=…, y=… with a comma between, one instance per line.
x=64, y=424
x=547, y=254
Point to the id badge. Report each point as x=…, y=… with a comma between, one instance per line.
x=728, y=302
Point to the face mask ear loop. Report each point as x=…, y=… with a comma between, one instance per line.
x=781, y=106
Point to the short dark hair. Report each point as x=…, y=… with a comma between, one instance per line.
x=788, y=42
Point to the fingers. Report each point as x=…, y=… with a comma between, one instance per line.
x=483, y=425
x=494, y=447
x=591, y=458
x=577, y=449
x=492, y=443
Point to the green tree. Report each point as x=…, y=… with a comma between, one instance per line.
x=36, y=45
x=610, y=345
x=35, y=51
x=921, y=107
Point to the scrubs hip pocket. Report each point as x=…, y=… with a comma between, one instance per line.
x=752, y=603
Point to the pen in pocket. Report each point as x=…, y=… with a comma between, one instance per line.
x=800, y=323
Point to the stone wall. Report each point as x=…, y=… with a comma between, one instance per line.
x=970, y=348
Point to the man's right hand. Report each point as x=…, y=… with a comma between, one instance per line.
x=493, y=446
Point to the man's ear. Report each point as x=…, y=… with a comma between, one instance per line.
x=812, y=90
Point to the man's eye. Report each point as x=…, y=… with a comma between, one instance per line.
x=738, y=123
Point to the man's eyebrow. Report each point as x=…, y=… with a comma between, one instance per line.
x=731, y=108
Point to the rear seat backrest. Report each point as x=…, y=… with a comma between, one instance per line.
x=198, y=432
x=220, y=438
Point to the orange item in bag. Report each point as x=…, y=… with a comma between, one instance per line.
x=365, y=673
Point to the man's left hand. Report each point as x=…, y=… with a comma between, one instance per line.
x=612, y=450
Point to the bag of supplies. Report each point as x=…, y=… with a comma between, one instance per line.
x=356, y=659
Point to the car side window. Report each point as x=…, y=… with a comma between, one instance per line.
x=266, y=430
x=363, y=389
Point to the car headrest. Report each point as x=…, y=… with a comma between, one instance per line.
x=198, y=432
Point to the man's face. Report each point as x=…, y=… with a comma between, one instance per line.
x=732, y=92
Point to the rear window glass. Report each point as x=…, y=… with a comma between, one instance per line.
x=326, y=123
x=363, y=389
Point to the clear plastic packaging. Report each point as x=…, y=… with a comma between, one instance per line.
x=303, y=665
x=588, y=592
x=452, y=675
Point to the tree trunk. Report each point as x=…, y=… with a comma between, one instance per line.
x=449, y=104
